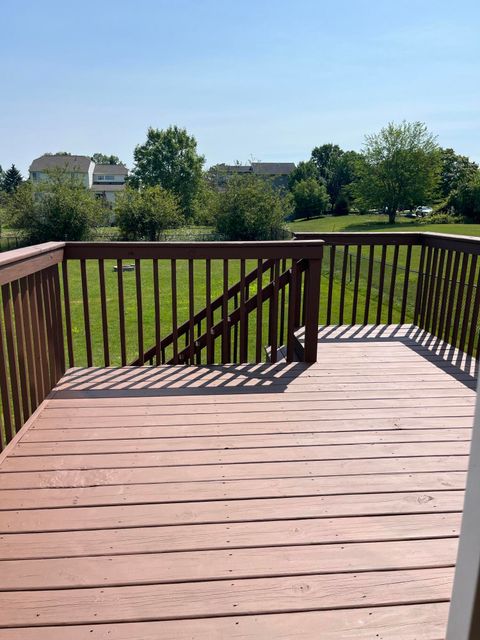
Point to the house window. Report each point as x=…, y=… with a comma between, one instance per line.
x=35, y=175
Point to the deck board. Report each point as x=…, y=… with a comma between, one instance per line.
x=242, y=501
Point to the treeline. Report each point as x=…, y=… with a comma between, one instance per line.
x=399, y=168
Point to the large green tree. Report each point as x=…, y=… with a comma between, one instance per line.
x=400, y=168
x=143, y=214
x=303, y=171
x=336, y=168
x=102, y=158
x=455, y=171
x=12, y=179
x=250, y=208
x=170, y=160
x=311, y=198
x=466, y=199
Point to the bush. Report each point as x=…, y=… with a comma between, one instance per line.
x=466, y=199
x=58, y=209
x=144, y=214
x=441, y=218
x=310, y=197
x=251, y=209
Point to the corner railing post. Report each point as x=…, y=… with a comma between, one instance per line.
x=312, y=304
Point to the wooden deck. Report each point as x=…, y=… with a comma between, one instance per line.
x=245, y=501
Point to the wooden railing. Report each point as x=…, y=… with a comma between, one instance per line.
x=149, y=303
x=428, y=279
x=116, y=304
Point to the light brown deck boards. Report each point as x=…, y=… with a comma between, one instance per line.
x=250, y=501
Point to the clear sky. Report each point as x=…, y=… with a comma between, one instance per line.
x=264, y=79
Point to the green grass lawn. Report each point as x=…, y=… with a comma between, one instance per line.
x=379, y=223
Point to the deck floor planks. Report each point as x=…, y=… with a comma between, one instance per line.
x=291, y=495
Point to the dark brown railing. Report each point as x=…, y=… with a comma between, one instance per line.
x=115, y=304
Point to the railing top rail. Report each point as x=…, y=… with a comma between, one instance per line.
x=361, y=237
x=194, y=250
x=23, y=262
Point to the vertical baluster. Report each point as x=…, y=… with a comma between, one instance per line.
x=235, y=332
x=438, y=286
x=259, y=318
x=20, y=342
x=199, y=351
x=432, y=279
x=156, y=300
x=121, y=313
x=330, y=284
x=191, y=312
x=368, y=292
x=243, y=315
x=292, y=296
x=208, y=294
x=460, y=295
x=381, y=284
x=406, y=280
x=358, y=264
x=12, y=361
x=29, y=350
x=283, y=269
x=58, y=318
x=225, y=317
x=37, y=337
x=418, y=295
x=475, y=317
x=173, y=269
x=68, y=314
x=273, y=323
x=468, y=303
x=426, y=286
x=393, y=282
x=43, y=336
x=451, y=297
x=50, y=341
x=103, y=304
x=445, y=287
x=138, y=289
x=4, y=394
x=343, y=284
x=86, y=312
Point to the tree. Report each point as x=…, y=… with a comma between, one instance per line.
x=251, y=209
x=455, y=171
x=2, y=177
x=401, y=167
x=466, y=200
x=303, y=171
x=143, y=214
x=170, y=160
x=11, y=179
x=101, y=158
x=311, y=198
x=60, y=209
x=336, y=168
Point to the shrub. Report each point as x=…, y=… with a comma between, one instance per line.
x=466, y=199
x=310, y=197
x=145, y=213
x=441, y=218
x=251, y=209
x=60, y=208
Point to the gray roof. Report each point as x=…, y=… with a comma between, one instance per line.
x=110, y=169
x=273, y=168
x=72, y=163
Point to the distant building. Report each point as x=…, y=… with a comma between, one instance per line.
x=278, y=172
x=105, y=180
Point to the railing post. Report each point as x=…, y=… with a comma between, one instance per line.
x=312, y=297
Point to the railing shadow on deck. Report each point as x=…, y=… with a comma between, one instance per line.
x=180, y=380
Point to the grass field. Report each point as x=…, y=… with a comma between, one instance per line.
x=344, y=223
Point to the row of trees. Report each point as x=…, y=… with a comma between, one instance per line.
x=400, y=167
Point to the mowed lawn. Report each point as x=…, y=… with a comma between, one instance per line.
x=343, y=223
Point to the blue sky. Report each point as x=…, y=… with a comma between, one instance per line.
x=267, y=80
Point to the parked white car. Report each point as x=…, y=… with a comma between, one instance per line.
x=423, y=211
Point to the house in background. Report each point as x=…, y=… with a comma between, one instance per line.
x=108, y=180
x=277, y=172
x=105, y=180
